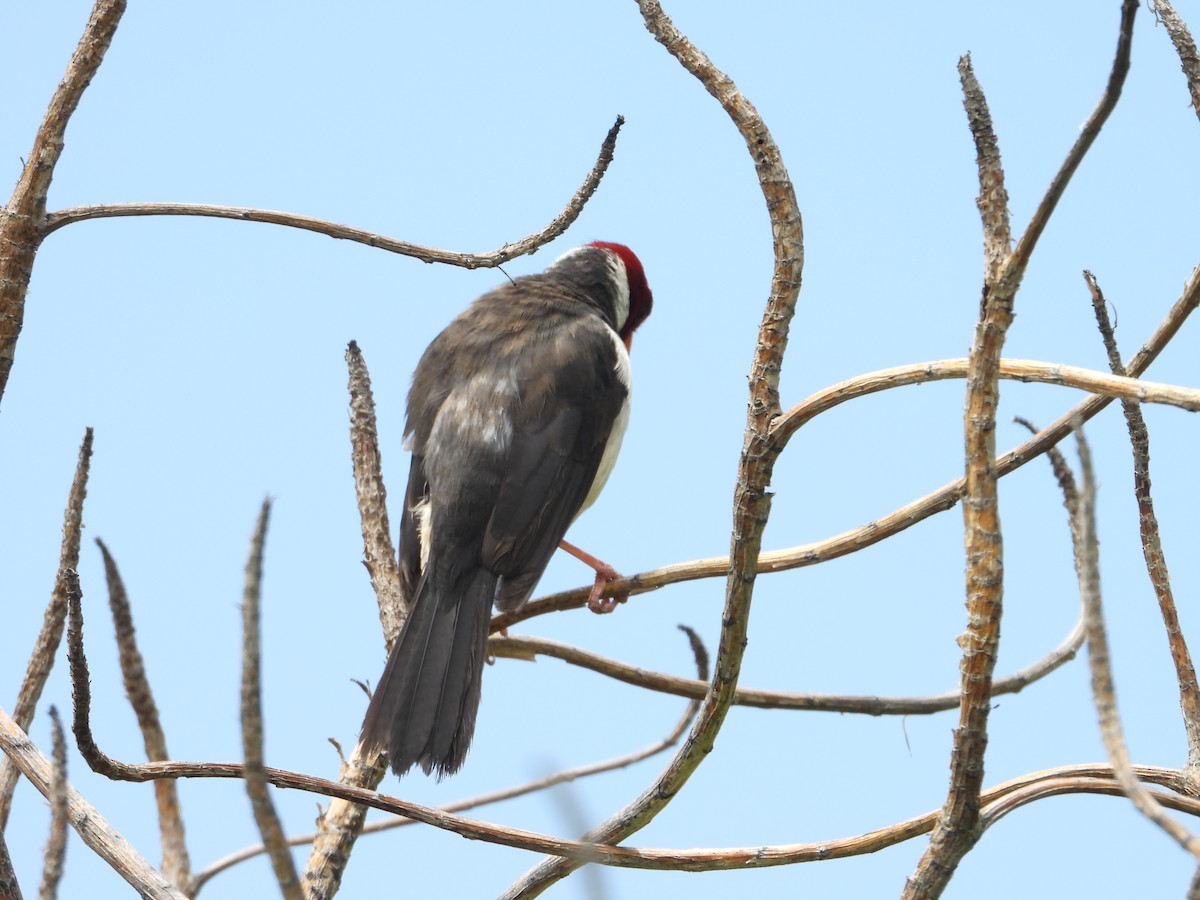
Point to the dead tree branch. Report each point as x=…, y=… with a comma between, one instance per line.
x=1156, y=560
x=21, y=219
x=41, y=660
x=177, y=866
x=959, y=826
x=751, y=505
x=524, y=246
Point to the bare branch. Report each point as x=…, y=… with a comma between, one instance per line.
x=1026, y=370
x=940, y=500
x=177, y=866
x=339, y=826
x=751, y=506
x=563, y=777
x=492, y=258
x=56, y=846
x=379, y=554
x=958, y=825
x=1156, y=561
x=1090, y=778
x=525, y=647
x=10, y=888
x=1087, y=136
x=958, y=828
x=95, y=832
x=20, y=234
x=1103, y=692
x=41, y=660
x=265, y=816
x=1189, y=59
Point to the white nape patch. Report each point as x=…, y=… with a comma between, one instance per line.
x=620, y=278
x=423, y=514
x=613, y=448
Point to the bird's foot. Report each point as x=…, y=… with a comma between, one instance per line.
x=600, y=599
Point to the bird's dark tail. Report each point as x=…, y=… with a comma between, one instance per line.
x=423, y=710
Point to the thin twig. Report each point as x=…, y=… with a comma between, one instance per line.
x=379, y=554
x=524, y=246
x=525, y=647
x=91, y=827
x=751, y=502
x=20, y=220
x=1024, y=370
x=1091, y=778
x=41, y=660
x=940, y=500
x=56, y=846
x=563, y=777
x=269, y=826
x=1185, y=47
x=1103, y=692
x=16, y=743
x=339, y=826
x=1152, y=549
x=177, y=866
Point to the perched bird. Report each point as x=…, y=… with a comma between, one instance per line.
x=515, y=418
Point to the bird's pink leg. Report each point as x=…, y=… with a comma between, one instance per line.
x=599, y=600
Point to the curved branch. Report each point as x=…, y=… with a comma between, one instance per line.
x=270, y=828
x=20, y=220
x=492, y=258
x=751, y=502
x=524, y=647
x=1026, y=370
x=45, y=646
x=16, y=743
x=177, y=865
x=564, y=777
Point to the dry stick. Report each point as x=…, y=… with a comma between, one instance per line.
x=1103, y=693
x=94, y=830
x=492, y=258
x=944, y=498
x=41, y=660
x=751, y=502
x=87, y=822
x=958, y=828
x=1156, y=561
x=338, y=826
x=958, y=825
x=379, y=554
x=176, y=865
x=56, y=846
x=20, y=220
x=269, y=826
x=1189, y=59
x=540, y=784
x=1025, y=370
x=10, y=888
x=523, y=647
x=1092, y=778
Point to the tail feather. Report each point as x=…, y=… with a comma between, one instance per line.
x=423, y=710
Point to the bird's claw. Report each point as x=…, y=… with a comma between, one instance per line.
x=601, y=600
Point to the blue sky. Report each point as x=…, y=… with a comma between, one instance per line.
x=208, y=356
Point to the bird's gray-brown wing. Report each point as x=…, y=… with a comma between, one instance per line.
x=571, y=396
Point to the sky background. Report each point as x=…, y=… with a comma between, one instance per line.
x=208, y=356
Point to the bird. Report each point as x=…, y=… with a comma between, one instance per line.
x=515, y=418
